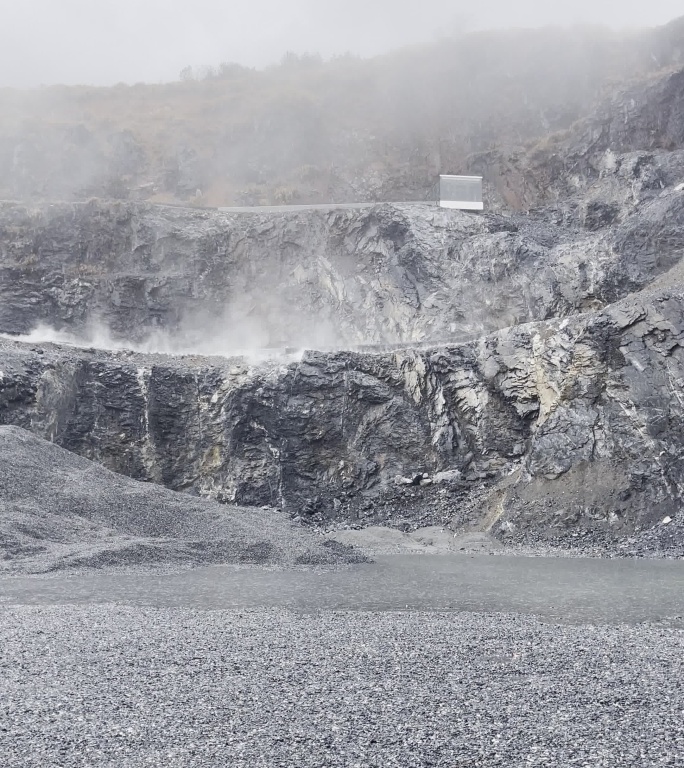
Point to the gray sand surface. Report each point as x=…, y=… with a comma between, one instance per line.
x=431, y=540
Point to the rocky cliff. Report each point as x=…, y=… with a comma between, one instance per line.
x=207, y=281
x=514, y=372
x=550, y=429
x=630, y=143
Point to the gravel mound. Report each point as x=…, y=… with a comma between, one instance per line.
x=59, y=510
x=120, y=686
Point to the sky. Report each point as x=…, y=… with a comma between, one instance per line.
x=103, y=42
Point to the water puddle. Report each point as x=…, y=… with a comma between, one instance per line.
x=568, y=590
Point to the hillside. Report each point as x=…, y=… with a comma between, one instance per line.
x=309, y=131
x=517, y=373
x=532, y=389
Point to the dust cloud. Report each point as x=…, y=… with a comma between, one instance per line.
x=199, y=335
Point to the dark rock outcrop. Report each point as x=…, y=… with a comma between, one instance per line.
x=183, y=280
x=531, y=378
x=630, y=146
x=560, y=427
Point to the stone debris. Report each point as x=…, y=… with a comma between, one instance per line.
x=60, y=511
x=186, y=687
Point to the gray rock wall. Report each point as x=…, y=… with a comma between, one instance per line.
x=531, y=382
x=555, y=428
x=204, y=281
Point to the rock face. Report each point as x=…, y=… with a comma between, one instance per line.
x=531, y=385
x=220, y=282
x=632, y=143
x=178, y=279
x=559, y=427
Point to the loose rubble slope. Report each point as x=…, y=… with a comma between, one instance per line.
x=58, y=510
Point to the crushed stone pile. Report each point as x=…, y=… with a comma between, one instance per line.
x=59, y=510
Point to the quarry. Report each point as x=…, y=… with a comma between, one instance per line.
x=386, y=483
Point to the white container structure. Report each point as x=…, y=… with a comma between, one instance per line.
x=461, y=192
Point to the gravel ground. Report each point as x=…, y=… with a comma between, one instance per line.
x=122, y=686
x=440, y=540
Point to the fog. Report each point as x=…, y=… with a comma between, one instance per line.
x=110, y=41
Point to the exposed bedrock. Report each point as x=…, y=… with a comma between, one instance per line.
x=545, y=400
x=561, y=426
x=182, y=279
x=635, y=134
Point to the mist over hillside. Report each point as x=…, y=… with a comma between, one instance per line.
x=348, y=129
